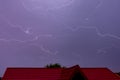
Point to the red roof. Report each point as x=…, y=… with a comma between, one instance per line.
x=58, y=73
x=32, y=74
x=68, y=73
x=99, y=74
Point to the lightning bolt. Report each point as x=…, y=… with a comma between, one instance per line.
x=48, y=51
x=66, y=5
x=98, y=32
x=48, y=9
x=103, y=50
x=96, y=29
x=28, y=32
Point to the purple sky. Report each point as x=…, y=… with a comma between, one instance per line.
x=34, y=33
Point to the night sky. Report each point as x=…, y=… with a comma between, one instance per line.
x=34, y=33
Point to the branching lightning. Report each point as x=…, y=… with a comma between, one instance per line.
x=47, y=50
x=28, y=32
x=36, y=7
x=98, y=32
x=96, y=29
x=104, y=50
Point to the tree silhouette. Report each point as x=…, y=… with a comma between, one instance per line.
x=56, y=65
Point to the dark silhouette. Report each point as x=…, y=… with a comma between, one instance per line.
x=118, y=73
x=78, y=76
x=56, y=65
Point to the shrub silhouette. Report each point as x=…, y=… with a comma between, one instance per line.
x=56, y=65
